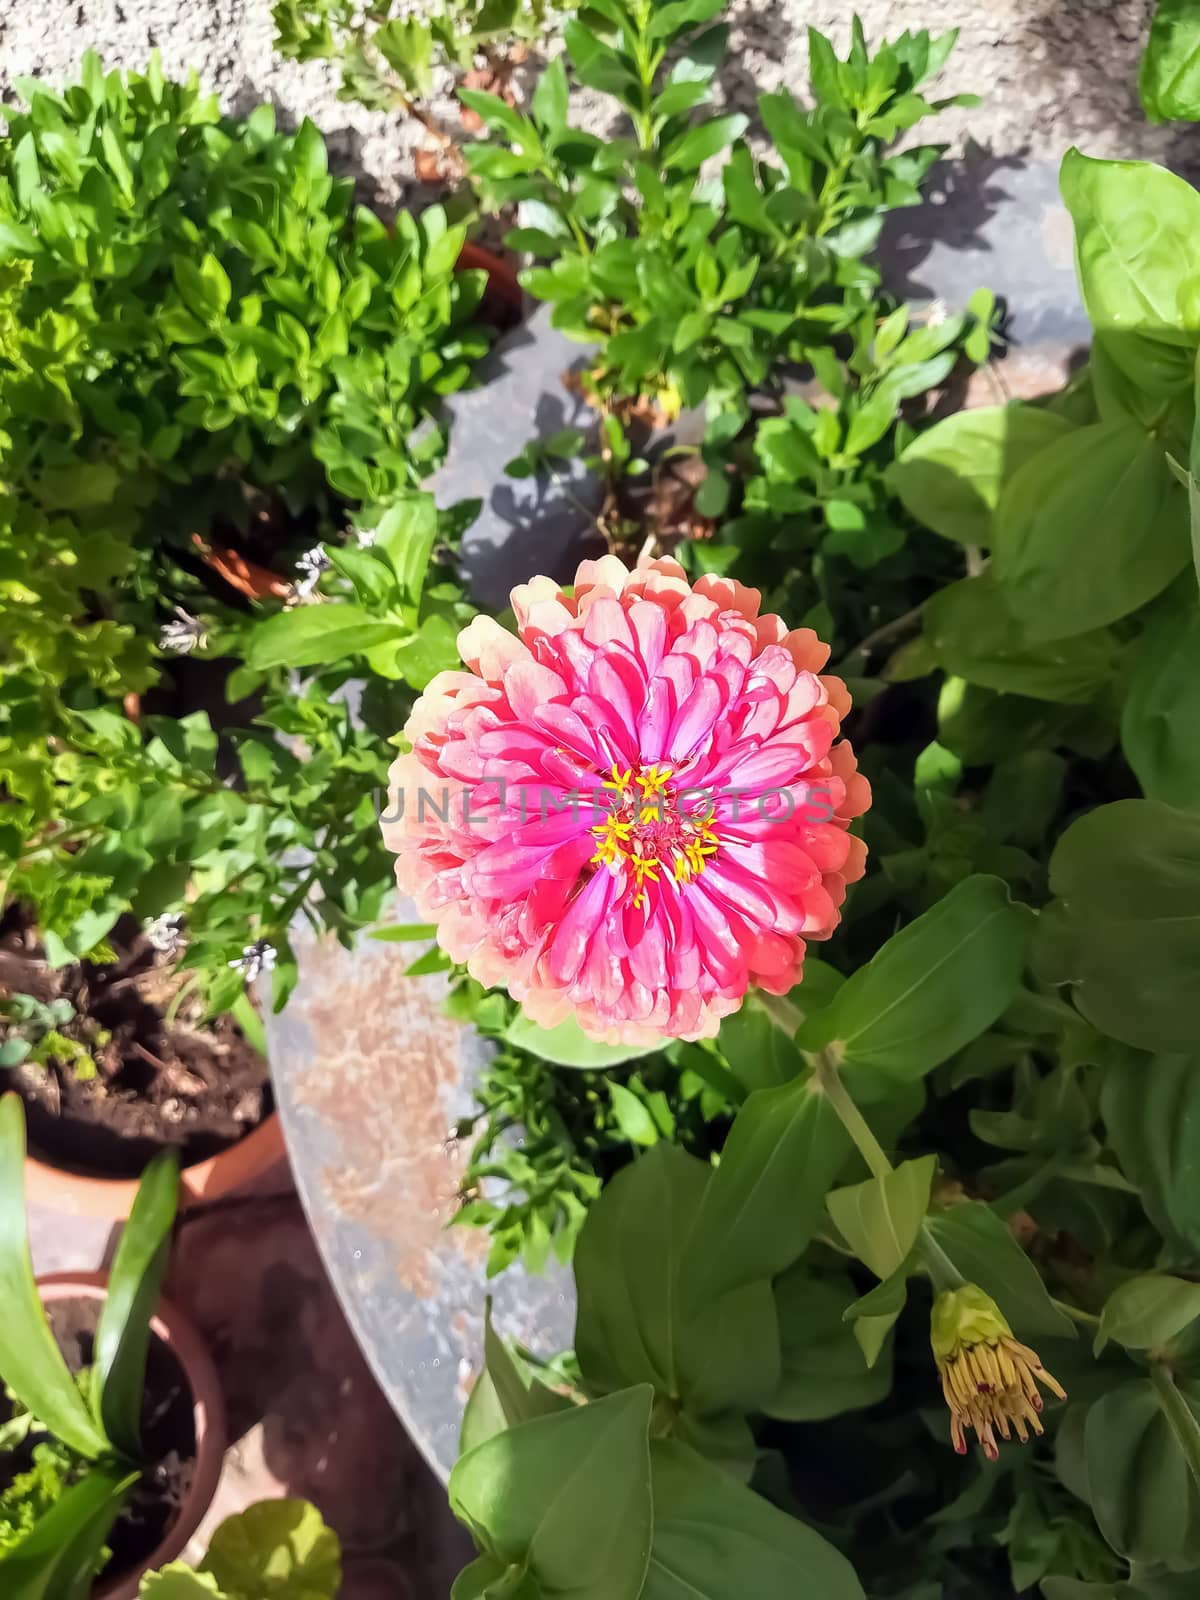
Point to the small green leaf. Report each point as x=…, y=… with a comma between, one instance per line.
x=934, y=986
x=280, y=1548
x=632, y=1116
x=318, y=635
x=697, y=144
x=881, y=1219
x=1148, y=1312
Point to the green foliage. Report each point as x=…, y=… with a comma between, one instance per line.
x=275, y=1550
x=390, y=53
x=1169, y=79
x=55, y=1518
x=203, y=345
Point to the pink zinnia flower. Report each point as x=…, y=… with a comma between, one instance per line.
x=635, y=810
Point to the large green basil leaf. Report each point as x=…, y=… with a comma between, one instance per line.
x=1125, y=928
x=1151, y=1112
x=934, y=986
x=1160, y=722
x=824, y=1369
x=951, y=475
x=984, y=1251
x=715, y=1540
x=1169, y=77
x=974, y=636
x=1135, y=233
x=1089, y=530
x=567, y=1497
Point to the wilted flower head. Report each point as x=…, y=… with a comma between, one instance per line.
x=634, y=810
x=185, y=634
x=165, y=933
x=990, y=1379
x=309, y=569
x=255, y=959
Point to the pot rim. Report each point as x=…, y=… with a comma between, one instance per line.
x=87, y=1194
x=176, y=1330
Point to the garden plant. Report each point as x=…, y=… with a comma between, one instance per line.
x=943, y=1198
x=821, y=853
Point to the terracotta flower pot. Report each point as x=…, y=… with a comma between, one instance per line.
x=208, y=1414
x=83, y=1196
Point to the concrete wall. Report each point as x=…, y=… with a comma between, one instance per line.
x=1053, y=72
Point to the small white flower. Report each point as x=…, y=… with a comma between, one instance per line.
x=183, y=636
x=366, y=537
x=937, y=313
x=254, y=960
x=165, y=933
x=309, y=569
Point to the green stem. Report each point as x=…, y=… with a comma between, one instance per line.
x=1179, y=1414
x=1086, y=1319
x=851, y=1118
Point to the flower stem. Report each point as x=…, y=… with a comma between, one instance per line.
x=1086, y=1319
x=852, y=1119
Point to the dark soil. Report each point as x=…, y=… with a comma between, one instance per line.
x=157, y=1082
x=168, y=1438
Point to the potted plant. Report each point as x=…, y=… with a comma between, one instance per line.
x=114, y=1438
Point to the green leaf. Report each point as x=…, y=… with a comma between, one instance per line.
x=1125, y=928
x=1161, y=714
x=405, y=537
x=972, y=635
x=568, y=1046
x=1151, y=1113
x=696, y=145
x=984, y=1251
x=1169, y=76
x=502, y=1396
x=873, y=1315
x=549, y=103
x=716, y=1540
x=1139, y=1485
x=632, y=1116
x=280, y=1548
x=1148, y=1312
x=934, y=986
x=1089, y=530
x=824, y=1371
x=1135, y=226
x=766, y=1198
x=317, y=635
x=881, y=1219
x=179, y=1582
x=567, y=1497
x=950, y=477
x=58, y=1559
x=635, y=1322
x=134, y=1282
x=404, y=932
x=30, y=1362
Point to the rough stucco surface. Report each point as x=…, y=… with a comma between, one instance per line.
x=1052, y=72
